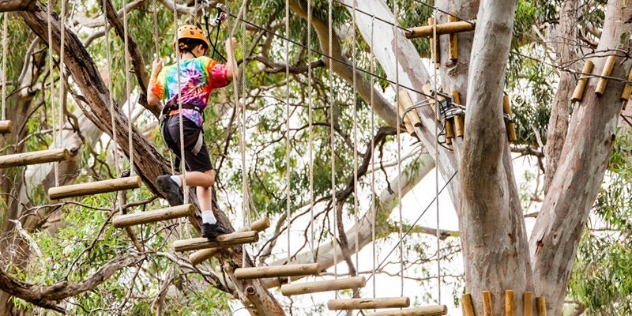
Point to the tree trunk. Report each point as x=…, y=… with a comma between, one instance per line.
x=581, y=169
x=493, y=235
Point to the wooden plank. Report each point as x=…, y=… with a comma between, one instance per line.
x=453, y=42
x=277, y=271
x=607, y=70
x=204, y=254
x=540, y=302
x=467, y=307
x=446, y=28
x=6, y=127
x=222, y=241
x=578, y=93
x=528, y=304
x=435, y=310
x=368, y=303
x=35, y=157
x=488, y=308
x=153, y=216
x=95, y=187
x=323, y=286
x=509, y=303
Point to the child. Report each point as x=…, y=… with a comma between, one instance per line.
x=199, y=75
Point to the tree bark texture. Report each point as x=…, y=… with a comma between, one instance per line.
x=15, y=5
x=581, y=168
x=560, y=110
x=493, y=235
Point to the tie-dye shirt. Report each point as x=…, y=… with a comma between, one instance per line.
x=198, y=78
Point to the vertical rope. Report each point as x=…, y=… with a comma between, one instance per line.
x=128, y=90
x=331, y=136
x=62, y=70
x=180, y=118
x=311, y=126
x=399, y=152
x=356, y=205
x=287, y=128
x=49, y=18
x=373, y=200
x=5, y=44
x=108, y=54
x=436, y=148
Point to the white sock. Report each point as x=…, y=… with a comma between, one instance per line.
x=177, y=180
x=208, y=217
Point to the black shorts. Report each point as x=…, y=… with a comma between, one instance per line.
x=171, y=134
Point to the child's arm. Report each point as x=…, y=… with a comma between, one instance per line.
x=152, y=98
x=231, y=64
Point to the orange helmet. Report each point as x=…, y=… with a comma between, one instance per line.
x=192, y=31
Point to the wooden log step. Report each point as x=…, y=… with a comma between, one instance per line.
x=578, y=93
x=605, y=72
x=95, y=187
x=278, y=271
x=35, y=157
x=368, y=303
x=162, y=214
x=435, y=310
x=222, y=241
x=204, y=254
x=445, y=28
x=323, y=286
x=6, y=127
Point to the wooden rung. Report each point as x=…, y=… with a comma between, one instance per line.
x=607, y=70
x=511, y=131
x=506, y=105
x=435, y=310
x=578, y=93
x=278, y=271
x=541, y=304
x=453, y=42
x=35, y=157
x=528, y=304
x=509, y=303
x=627, y=90
x=459, y=123
x=222, y=241
x=368, y=303
x=467, y=307
x=6, y=127
x=95, y=187
x=323, y=286
x=488, y=309
x=435, y=55
x=446, y=28
x=406, y=102
x=204, y=254
x=153, y=216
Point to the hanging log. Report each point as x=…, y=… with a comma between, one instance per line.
x=466, y=305
x=323, y=286
x=446, y=28
x=162, y=214
x=222, y=241
x=6, y=127
x=528, y=304
x=452, y=43
x=368, y=303
x=509, y=303
x=277, y=271
x=35, y=157
x=627, y=90
x=435, y=56
x=409, y=127
x=488, y=309
x=419, y=311
x=95, y=187
x=459, y=123
x=204, y=254
x=581, y=84
x=509, y=126
x=607, y=70
x=541, y=304
x=407, y=103
x=449, y=131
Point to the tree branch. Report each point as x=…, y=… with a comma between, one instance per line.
x=16, y=5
